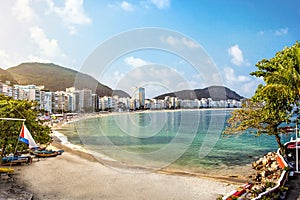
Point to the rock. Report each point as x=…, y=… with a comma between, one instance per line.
x=265, y=161
x=267, y=173
x=270, y=154
x=274, y=166
x=254, y=164
x=263, y=174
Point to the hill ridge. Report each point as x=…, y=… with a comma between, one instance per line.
x=215, y=92
x=56, y=78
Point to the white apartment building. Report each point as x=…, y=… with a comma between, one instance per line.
x=107, y=103
x=47, y=101
x=6, y=89
x=73, y=100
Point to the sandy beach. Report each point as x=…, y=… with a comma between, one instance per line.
x=78, y=176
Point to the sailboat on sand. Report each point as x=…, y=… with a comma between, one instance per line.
x=26, y=137
x=39, y=152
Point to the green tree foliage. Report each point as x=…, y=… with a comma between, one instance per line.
x=272, y=103
x=283, y=70
x=10, y=130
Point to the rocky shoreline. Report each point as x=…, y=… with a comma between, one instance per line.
x=266, y=176
x=267, y=173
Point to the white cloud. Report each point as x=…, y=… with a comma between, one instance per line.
x=232, y=78
x=113, y=79
x=72, y=30
x=277, y=32
x=189, y=43
x=49, y=47
x=249, y=87
x=170, y=40
x=282, y=31
x=135, y=62
x=9, y=59
x=161, y=4
x=146, y=4
x=157, y=79
x=4, y=59
x=22, y=11
x=126, y=6
x=176, y=42
x=32, y=58
x=72, y=14
x=245, y=85
x=237, y=56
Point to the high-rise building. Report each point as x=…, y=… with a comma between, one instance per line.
x=139, y=97
x=85, y=100
x=58, y=101
x=95, y=102
x=142, y=97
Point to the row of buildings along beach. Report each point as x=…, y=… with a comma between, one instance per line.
x=84, y=100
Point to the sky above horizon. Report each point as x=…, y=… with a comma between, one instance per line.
x=230, y=36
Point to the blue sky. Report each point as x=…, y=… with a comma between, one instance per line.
x=234, y=34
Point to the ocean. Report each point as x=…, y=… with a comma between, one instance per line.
x=189, y=140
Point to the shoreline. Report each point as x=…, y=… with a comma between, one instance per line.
x=79, y=175
x=106, y=113
x=236, y=179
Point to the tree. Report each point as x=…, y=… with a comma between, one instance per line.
x=282, y=70
x=273, y=102
x=10, y=130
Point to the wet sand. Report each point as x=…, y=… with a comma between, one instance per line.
x=78, y=175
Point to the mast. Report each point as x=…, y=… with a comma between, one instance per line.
x=297, y=156
x=13, y=119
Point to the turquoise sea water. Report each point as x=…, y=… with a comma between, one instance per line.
x=185, y=139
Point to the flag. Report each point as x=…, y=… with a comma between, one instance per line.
x=25, y=136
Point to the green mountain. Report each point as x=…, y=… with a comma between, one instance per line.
x=55, y=78
x=215, y=92
x=6, y=76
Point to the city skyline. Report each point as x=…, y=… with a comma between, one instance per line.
x=85, y=101
x=234, y=34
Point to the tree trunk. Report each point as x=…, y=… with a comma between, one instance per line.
x=280, y=145
x=3, y=151
x=3, y=147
